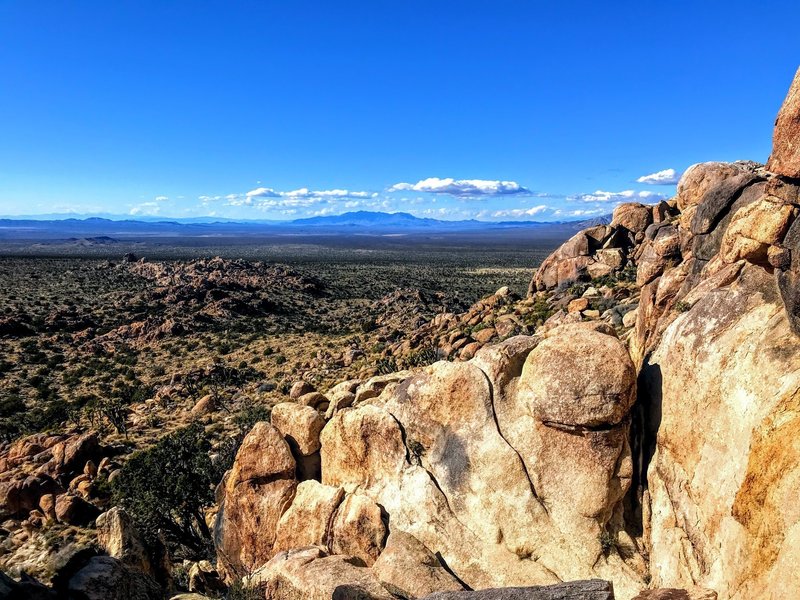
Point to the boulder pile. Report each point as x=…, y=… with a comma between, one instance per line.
x=654, y=446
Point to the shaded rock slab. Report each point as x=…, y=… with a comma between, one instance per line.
x=592, y=589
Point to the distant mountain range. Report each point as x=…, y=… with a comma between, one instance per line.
x=352, y=223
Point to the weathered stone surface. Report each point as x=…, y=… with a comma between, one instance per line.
x=307, y=574
x=676, y=594
x=118, y=536
x=719, y=492
x=788, y=276
x=633, y=216
x=358, y=529
x=698, y=179
x=409, y=570
x=308, y=521
x=754, y=228
x=204, y=406
x=314, y=400
x=612, y=257
x=21, y=496
x=427, y=453
x=595, y=589
x=785, y=157
x=300, y=388
x=300, y=425
x=74, y=510
x=105, y=577
x=254, y=495
x=579, y=378
x=70, y=456
x=718, y=200
x=706, y=246
x=374, y=386
x=577, y=305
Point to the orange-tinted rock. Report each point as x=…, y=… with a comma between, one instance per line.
x=785, y=157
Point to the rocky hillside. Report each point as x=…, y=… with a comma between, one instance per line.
x=632, y=427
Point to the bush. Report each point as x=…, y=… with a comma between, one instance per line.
x=165, y=489
x=238, y=591
x=540, y=312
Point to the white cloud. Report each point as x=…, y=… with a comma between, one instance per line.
x=264, y=192
x=465, y=188
x=145, y=209
x=306, y=193
x=162, y=198
x=618, y=197
x=665, y=177
x=521, y=212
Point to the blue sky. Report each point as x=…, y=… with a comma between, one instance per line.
x=495, y=110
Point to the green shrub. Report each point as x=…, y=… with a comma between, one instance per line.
x=238, y=591
x=166, y=488
x=539, y=313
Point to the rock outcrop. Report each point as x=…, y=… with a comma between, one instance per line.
x=424, y=451
x=646, y=434
x=785, y=158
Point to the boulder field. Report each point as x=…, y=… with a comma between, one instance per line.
x=661, y=455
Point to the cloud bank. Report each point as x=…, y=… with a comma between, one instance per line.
x=463, y=188
x=618, y=197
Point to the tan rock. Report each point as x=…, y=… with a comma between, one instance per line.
x=699, y=179
x=359, y=446
x=300, y=425
x=118, y=536
x=633, y=216
x=315, y=400
x=484, y=335
x=204, y=406
x=74, y=510
x=578, y=305
x=307, y=522
x=676, y=594
x=254, y=495
x=612, y=257
x=90, y=469
x=579, y=377
x=300, y=388
x=785, y=157
x=47, y=504
x=726, y=486
x=469, y=350
x=70, y=456
x=307, y=574
x=373, y=387
x=754, y=228
x=409, y=570
x=358, y=529
x=338, y=402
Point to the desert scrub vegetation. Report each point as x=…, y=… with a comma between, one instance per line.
x=166, y=488
x=539, y=313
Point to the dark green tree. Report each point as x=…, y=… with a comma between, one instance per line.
x=166, y=488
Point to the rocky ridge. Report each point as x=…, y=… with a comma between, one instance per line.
x=635, y=421
x=603, y=473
